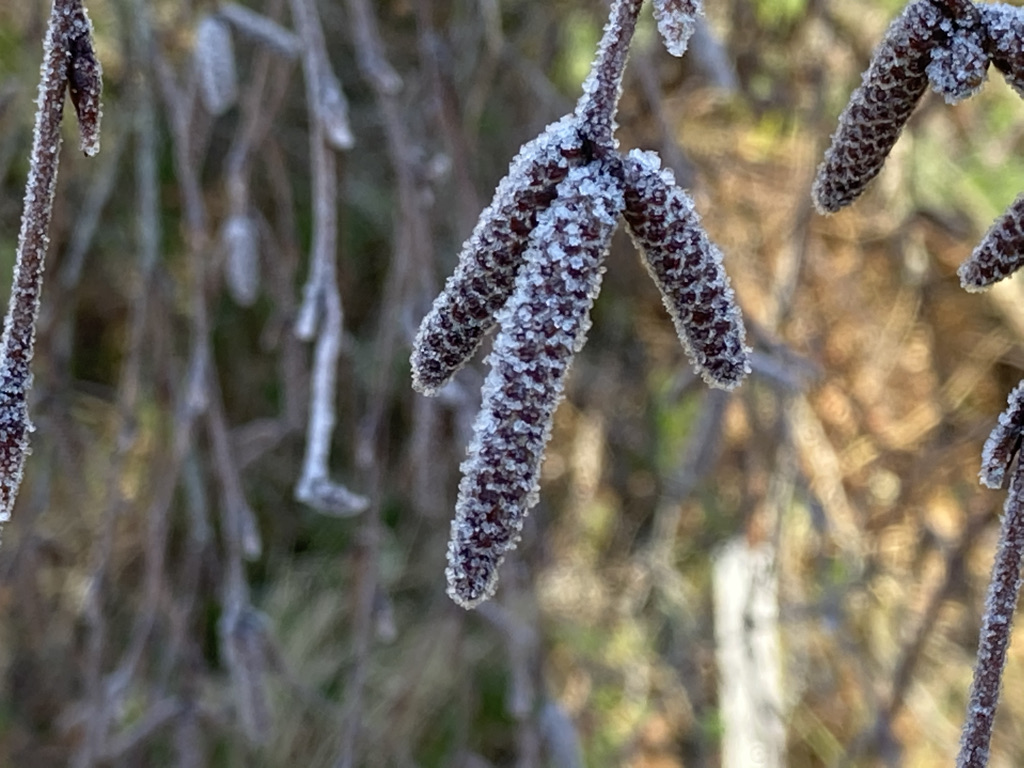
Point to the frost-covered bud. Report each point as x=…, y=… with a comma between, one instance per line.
x=687, y=268
x=999, y=254
x=878, y=108
x=85, y=81
x=1004, y=27
x=1004, y=442
x=215, y=63
x=677, y=20
x=491, y=257
x=240, y=239
x=959, y=65
x=543, y=325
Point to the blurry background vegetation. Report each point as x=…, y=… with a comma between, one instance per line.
x=851, y=453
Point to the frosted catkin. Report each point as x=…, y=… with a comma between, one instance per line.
x=85, y=81
x=465, y=310
x=878, y=109
x=1000, y=252
x=687, y=268
x=543, y=325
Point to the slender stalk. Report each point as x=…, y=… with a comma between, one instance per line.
x=602, y=88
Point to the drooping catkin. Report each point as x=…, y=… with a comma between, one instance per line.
x=1000, y=252
x=215, y=65
x=677, y=20
x=1004, y=442
x=85, y=81
x=879, y=108
x=483, y=280
x=542, y=327
x=687, y=268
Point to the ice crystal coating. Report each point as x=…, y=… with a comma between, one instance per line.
x=240, y=239
x=878, y=108
x=215, y=63
x=959, y=65
x=1004, y=28
x=85, y=81
x=677, y=20
x=464, y=311
x=543, y=325
x=1004, y=442
x=1000, y=252
x=687, y=268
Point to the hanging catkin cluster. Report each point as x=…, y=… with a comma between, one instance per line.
x=950, y=44
x=533, y=267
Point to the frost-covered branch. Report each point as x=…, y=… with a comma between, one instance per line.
x=69, y=63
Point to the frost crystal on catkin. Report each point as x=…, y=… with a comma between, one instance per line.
x=687, y=268
x=215, y=62
x=1005, y=30
x=959, y=64
x=491, y=257
x=542, y=326
x=878, y=109
x=676, y=21
x=999, y=254
x=1004, y=442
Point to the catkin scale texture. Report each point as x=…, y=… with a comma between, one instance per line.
x=543, y=325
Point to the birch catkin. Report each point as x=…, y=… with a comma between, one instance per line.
x=542, y=327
